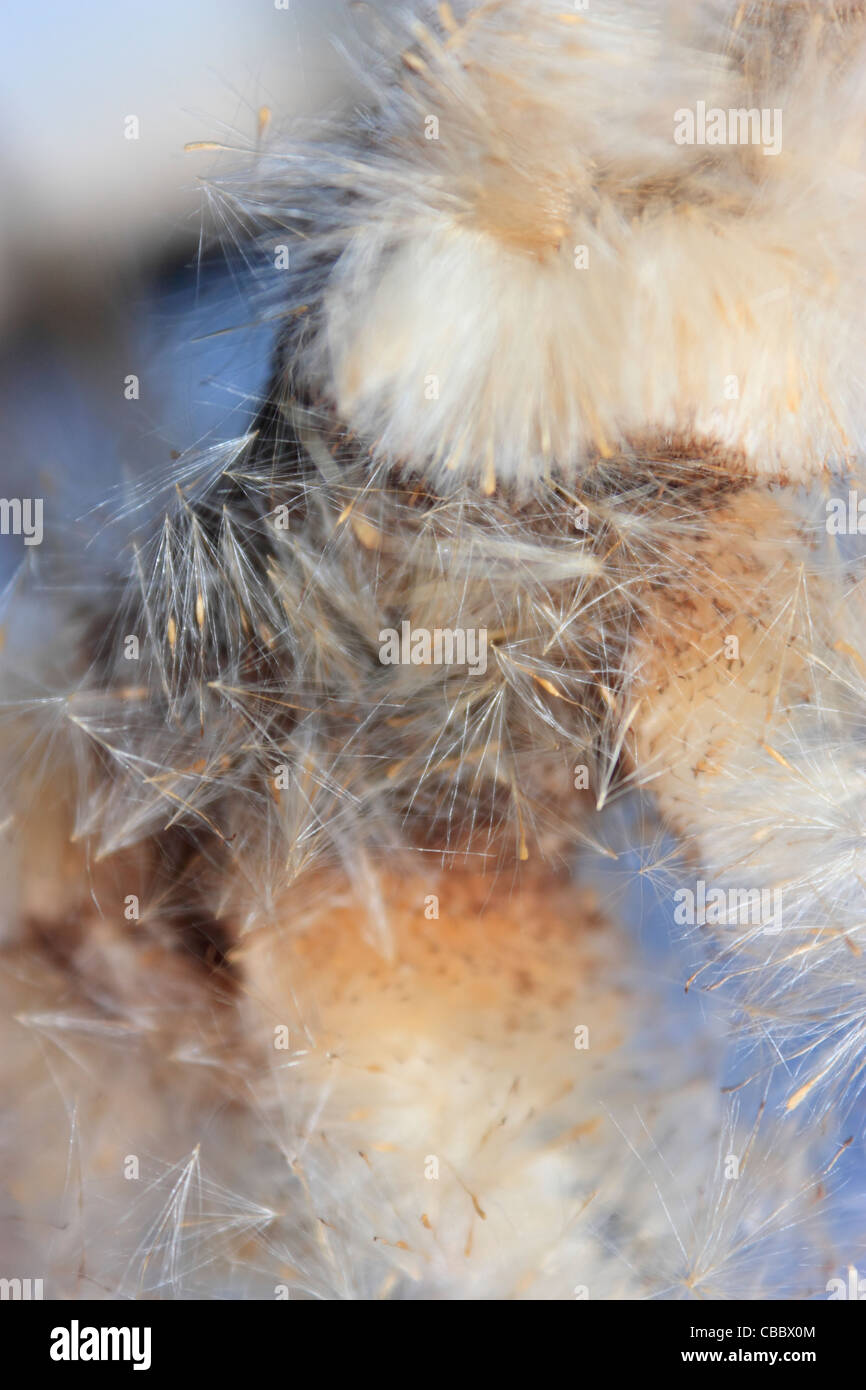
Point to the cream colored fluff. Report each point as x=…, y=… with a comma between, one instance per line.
x=535, y=271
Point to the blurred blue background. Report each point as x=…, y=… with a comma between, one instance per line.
x=100, y=234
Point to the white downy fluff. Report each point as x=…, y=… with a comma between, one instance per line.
x=532, y=271
x=244, y=830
